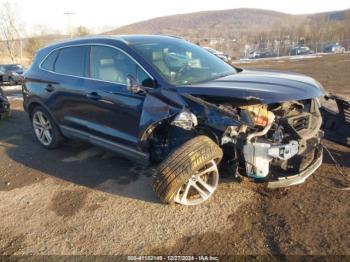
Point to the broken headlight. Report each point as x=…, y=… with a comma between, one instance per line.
x=185, y=120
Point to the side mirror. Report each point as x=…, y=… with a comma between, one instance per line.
x=133, y=85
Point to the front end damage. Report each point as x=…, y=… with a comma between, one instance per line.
x=277, y=143
x=336, y=120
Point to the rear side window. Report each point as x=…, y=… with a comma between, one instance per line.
x=72, y=61
x=49, y=62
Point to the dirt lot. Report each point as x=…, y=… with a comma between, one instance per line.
x=83, y=200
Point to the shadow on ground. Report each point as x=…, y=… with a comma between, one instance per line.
x=74, y=162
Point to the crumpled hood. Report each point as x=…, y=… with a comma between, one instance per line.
x=257, y=86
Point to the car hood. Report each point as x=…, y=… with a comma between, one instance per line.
x=256, y=86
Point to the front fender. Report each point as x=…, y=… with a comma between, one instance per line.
x=163, y=104
x=160, y=104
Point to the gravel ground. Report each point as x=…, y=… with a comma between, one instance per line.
x=81, y=199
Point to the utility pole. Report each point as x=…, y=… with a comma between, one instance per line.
x=69, y=17
x=21, y=49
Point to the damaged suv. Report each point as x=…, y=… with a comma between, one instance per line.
x=165, y=102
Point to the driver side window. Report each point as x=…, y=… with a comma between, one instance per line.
x=112, y=65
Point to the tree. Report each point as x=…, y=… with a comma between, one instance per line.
x=82, y=31
x=9, y=30
x=32, y=46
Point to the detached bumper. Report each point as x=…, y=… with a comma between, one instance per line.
x=336, y=125
x=301, y=177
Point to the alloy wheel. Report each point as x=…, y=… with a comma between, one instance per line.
x=200, y=186
x=42, y=128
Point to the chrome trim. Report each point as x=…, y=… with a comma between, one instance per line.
x=89, y=78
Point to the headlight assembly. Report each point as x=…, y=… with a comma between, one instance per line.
x=185, y=120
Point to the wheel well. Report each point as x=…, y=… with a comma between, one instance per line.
x=165, y=138
x=32, y=106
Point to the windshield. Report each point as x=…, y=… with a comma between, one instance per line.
x=182, y=63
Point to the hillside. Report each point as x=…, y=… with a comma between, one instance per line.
x=209, y=23
x=236, y=31
x=231, y=22
x=239, y=31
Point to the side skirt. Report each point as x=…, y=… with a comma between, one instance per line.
x=125, y=151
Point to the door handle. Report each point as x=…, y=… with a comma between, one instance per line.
x=93, y=96
x=49, y=88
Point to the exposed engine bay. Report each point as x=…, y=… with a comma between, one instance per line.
x=282, y=139
x=263, y=142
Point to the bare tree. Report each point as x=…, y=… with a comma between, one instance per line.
x=32, y=46
x=82, y=31
x=9, y=31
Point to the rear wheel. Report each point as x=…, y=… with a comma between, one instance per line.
x=45, y=129
x=189, y=176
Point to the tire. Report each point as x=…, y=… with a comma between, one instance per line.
x=182, y=165
x=50, y=127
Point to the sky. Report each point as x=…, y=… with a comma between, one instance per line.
x=102, y=15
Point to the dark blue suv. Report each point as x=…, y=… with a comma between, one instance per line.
x=163, y=101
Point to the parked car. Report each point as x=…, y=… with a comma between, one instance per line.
x=4, y=105
x=334, y=48
x=301, y=50
x=12, y=73
x=261, y=54
x=221, y=55
x=130, y=94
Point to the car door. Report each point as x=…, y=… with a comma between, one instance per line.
x=63, y=87
x=116, y=112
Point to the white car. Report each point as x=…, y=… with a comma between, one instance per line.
x=221, y=55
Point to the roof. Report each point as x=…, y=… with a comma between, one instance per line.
x=126, y=39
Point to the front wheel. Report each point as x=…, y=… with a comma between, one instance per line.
x=189, y=176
